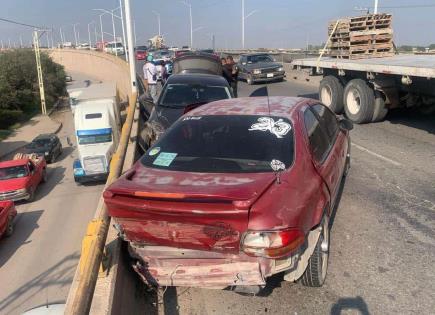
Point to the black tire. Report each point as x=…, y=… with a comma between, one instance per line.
x=380, y=110
x=315, y=274
x=331, y=94
x=359, y=100
x=249, y=79
x=31, y=195
x=44, y=176
x=10, y=227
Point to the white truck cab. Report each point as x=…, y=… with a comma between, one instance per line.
x=97, y=130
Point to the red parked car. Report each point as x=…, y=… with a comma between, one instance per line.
x=235, y=191
x=141, y=54
x=20, y=177
x=7, y=215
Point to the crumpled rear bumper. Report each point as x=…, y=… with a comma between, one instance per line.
x=165, y=266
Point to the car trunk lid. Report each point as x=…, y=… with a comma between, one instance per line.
x=185, y=210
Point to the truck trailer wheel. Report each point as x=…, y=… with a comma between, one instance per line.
x=380, y=111
x=331, y=93
x=359, y=100
x=315, y=274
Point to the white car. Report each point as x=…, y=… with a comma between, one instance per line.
x=83, y=46
x=114, y=48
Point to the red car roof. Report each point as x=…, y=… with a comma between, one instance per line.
x=278, y=106
x=13, y=163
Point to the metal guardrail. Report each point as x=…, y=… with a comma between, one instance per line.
x=80, y=296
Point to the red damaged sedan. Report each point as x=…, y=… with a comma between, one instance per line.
x=235, y=191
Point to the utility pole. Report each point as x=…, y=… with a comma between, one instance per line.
x=95, y=32
x=376, y=7
x=213, y=42
x=130, y=45
x=39, y=70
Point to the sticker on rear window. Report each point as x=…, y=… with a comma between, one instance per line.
x=165, y=159
x=154, y=151
x=277, y=165
x=192, y=118
x=278, y=128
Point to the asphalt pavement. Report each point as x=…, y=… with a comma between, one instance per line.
x=37, y=263
x=383, y=234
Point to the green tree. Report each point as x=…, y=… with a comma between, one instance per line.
x=19, y=90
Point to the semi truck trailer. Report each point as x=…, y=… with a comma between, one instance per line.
x=366, y=89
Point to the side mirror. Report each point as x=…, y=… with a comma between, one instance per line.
x=147, y=100
x=345, y=124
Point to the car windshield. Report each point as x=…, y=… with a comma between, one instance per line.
x=119, y=45
x=39, y=143
x=259, y=58
x=224, y=144
x=13, y=172
x=94, y=139
x=180, y=95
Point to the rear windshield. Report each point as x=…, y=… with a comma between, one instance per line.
x=13, y=172
x=39, y=143
x=94, y=139
x=181, y=95
x=259, y=58
x=224, y=144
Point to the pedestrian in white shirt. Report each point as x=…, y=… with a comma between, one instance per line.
x=150, y=73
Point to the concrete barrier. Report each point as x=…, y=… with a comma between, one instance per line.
x=95, y=64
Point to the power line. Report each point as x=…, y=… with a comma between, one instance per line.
x=22, y=24
x=410, y=6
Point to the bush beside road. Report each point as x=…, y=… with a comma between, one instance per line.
x=19, y=89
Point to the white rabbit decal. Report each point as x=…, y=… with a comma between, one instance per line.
x=279, y=128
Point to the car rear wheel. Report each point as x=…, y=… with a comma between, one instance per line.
x=10, y=227
x=331, y=93
x=359, y=100
x=249, y=79
x=44, y=176
x=315, y=274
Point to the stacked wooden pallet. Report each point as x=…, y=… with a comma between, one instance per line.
x=368, y=36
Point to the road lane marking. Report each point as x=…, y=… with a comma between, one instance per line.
x=376, y=155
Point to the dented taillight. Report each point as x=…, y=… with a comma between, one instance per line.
x=272, y=244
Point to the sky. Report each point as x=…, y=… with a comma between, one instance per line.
x=276, y=24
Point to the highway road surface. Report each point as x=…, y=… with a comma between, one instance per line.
x=37, y=263
x=383, y=236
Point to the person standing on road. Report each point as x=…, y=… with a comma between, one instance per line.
x=234, y=70
x=150, y=73
x=227, y=74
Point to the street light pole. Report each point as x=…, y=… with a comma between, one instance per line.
x=243, y=24
x=376, y=7
x=114, y=34
x=134, y=31
x=191, y=21
x=130, y=45
x=123, y=31
x=244, y=17
x=157, y=14
x=75, y=33
x=89, y=34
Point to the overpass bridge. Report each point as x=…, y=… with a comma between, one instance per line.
x=388, y=202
